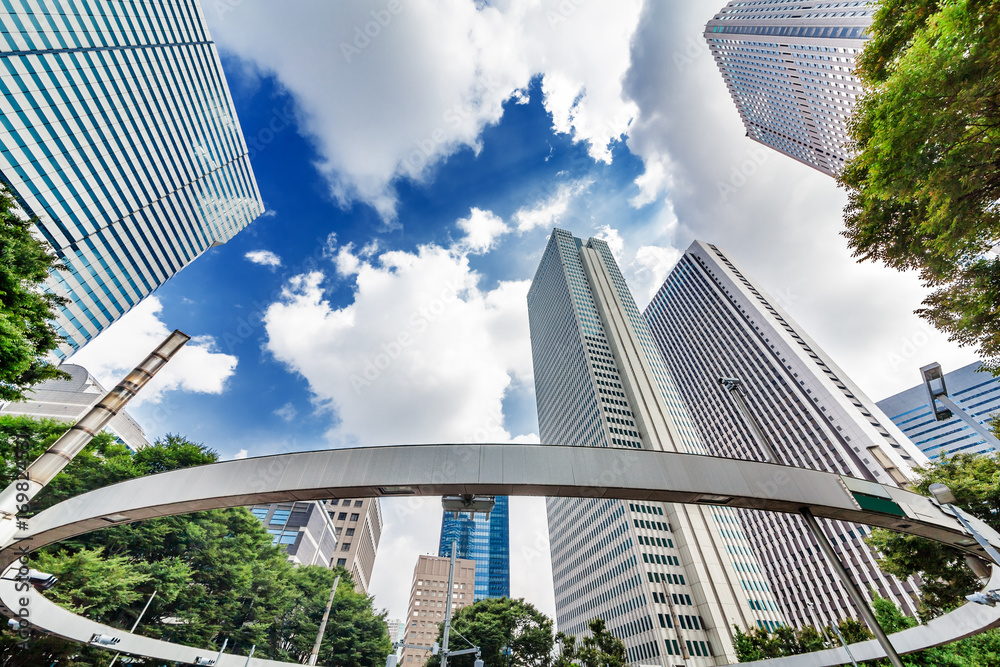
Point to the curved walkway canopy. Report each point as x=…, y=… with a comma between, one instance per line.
x=508, y=469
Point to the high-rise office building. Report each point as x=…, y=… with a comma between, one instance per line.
x=359, y=528
x=485, y=541
x=120, y=135
x=977, y=393
x=670, y=580
x=711, y=320
x=427, y=602
x=68, y=400
x=304, y=530
x=789, y=67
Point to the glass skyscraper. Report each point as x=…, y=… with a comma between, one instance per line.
x=671, y=581
x=485, y=541
x=978, y=393
x=117, y=130
x=710, y=320
x=789, y=67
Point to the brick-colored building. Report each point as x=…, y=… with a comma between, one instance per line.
x=427, y=601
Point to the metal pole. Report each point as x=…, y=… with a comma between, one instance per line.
x=447, y=606
x=62, y=451
x=970, y=420
x=224, y=645
x=135, y=625
x=322, y=626
x=844, y=643
x=252, y=649
x=736, y=390
x=852, y=588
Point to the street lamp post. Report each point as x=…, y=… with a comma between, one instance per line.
x=737, y=390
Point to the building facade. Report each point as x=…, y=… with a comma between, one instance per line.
x=358, y=522
x=428, y=593
x=120, y=135
x=485, y=541
x=978, y=393
x=68, y=400
x=710, y=320
x=671, y=581
x=303, y=529
x=789, y=67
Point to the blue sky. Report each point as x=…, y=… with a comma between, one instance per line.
x=410, y=186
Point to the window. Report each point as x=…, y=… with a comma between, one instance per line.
x=334, y=502
x=341, y=516
x=342, y=562
x=346, y=546
x=354, y=517
x=280, y=516
x=350, y=532
x=259, y=512
x=358, y=503
x=287, y=538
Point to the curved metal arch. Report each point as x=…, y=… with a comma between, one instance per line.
x=509, y=469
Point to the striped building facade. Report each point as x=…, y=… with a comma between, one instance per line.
x=118, y=131
x=789, y=67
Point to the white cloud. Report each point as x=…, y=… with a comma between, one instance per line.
x=426, y=80
x=287, y=412
x=549, y=211
x=614, y=239
x=265, y=257
x=242, y=454
x=198, y=367
x=423, y=353
x=482, y=229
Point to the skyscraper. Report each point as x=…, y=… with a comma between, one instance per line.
x=711, y=320
x=359, y=530
x=978, y=393
x=485, y=541
x=670, y=580
x=303, y=529
x=119, y=134
x=789, y=68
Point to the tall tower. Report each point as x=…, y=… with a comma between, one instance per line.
x=711, y=320
x=120, y=135
x=358, y=522
x=485, y=541
x=789, y=67
x=671, y=581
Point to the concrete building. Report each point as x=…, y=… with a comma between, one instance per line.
x=427, y=601
x=303, y=529
x=68, y=400
x=978, y=393
x=396, y=629
x=711, y=320
x=484, y=540
x=671, y=581
x=789, y=68
x=359, y=528
x=120, y=135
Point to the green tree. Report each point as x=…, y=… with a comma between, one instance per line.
x=925, y=181
x=975, y=481
x=493, y=623
x=26, y=333
x=601, y=648
x=217, y=574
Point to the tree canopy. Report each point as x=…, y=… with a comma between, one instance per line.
x=924, y=184
x=26, y=333
x=217, y=574
x=493, y=623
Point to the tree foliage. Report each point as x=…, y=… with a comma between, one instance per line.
x=217, y=574
x=924, y=185
x=493, y=623
x=601, y=648
x=26, y=333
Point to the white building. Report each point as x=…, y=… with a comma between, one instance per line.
x=711, y=320
x=68, y=400
x=120, y=135
x=671, y=581
x=789, y=68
